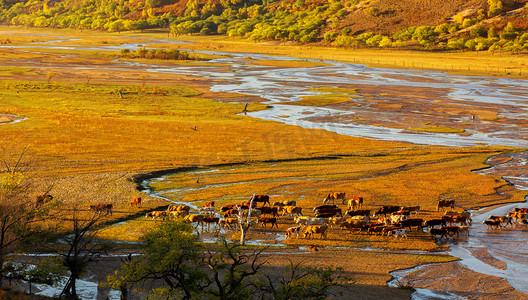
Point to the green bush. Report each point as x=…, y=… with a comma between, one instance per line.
x=478, y=31
x=330, y=36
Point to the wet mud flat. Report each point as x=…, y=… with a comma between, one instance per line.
x=454, y=281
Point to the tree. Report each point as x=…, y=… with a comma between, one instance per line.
x=232, y=271
x=175, y=260
x=46, y=271
x=495, y=8
x=117, y=25
x=245, y=224
x=82, y=249
x=19, y=218
x=300, y=282
x=50, y=75
x=171, y=256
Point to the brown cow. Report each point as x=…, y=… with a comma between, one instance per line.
x=261, y=198
x=387, y=209
x=177, y=214
x=521, y=210
x=42, y=199
x=409, y=223
x=136, y=201
x=291, y=210
x=411, y=209
x=325, y=206
x=102, y=207
x=198, y=219
x=455, y=220
x=517, y=216
x=209, y=204
x=289, y=203
x=231, y=212
x=353, y=224
x=442, y=232
x=268, y=220
x=229, y=223
x=373, y=228
x=363, y=212
x=245, y=204
x=503, y=219
x=156, y=214
x=211, y=220
x=313, y=229
x=269, y=211
x=492, y=224
x=178, y=207
x=330, y=212
x=355, y=202
x=228, y=207
x=452, y=230
x=435, y=222
x=464, y=213
x=445, y=204
x=335, y=196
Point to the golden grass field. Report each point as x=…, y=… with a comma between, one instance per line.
x=89, y=142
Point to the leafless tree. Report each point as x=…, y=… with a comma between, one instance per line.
x=19, y=219
x=83, y=248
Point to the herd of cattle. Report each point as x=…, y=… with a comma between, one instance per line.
x=389, y=220
x=386, y=220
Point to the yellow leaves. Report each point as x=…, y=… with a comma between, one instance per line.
x=10, y=182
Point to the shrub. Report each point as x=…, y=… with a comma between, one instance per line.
x=477, y=31
x=508, y=36
x=330, y=36
x=468, y=22
x=495, y=8
x=456, y=44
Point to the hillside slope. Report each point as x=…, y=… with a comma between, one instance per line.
x=430, y=24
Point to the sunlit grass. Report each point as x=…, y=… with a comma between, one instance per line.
x=130, y=231
x=6, y=71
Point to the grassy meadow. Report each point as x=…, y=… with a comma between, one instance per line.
x=90, y=132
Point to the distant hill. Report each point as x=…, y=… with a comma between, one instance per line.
x=431, y=24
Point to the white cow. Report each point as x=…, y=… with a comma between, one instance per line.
x=402, y=233
x=307, y=221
